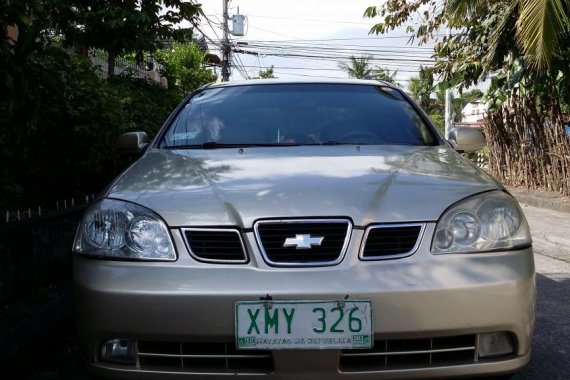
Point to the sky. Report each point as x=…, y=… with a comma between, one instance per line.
x=309, y=38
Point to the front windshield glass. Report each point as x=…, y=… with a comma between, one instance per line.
x=297, y=114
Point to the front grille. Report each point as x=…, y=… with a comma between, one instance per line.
x=206, y=358
x=215, y=245
x=391, y=241
x=411, y=354
x=272, y=235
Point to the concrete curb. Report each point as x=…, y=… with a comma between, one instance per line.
x=549, y=200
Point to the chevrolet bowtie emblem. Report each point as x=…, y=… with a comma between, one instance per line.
x=303, y=241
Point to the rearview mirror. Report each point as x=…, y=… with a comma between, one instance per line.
x=466, y=140
x=132, y=142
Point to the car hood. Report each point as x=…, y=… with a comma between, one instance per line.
x=368, y=184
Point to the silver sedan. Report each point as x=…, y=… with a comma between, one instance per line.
x=303, y=230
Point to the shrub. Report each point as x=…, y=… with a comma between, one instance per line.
x=59, y=135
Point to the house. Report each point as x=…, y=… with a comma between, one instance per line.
x=473, y=113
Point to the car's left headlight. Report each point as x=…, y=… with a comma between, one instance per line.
x=482, y=223
x=122, y=230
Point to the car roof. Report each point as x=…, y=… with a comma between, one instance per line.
x=265, y=82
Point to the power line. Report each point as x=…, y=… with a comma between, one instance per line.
x=312, y=20
x=371, y=55
x=240, y=66
x=335, y=57
x=328, y=77
x=342, y=39
x=276, y=33
x=323, y=69
x=212, y=27
x=302, y=44
x=339, y=48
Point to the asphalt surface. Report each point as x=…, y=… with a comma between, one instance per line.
x=55, y=356
x=550, y=349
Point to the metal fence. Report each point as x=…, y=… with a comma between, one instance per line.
x=123, y=66
x=35, y=252
x=54, y=208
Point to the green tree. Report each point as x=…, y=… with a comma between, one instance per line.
x=540, y=24
x=62, y=133
x=267, y=73
x=472, y=96
x=384, y=74
x=525, y=44
x=16, y=18
x=119, y=26
x=184, y=67
x=420, y=87
x=358, y=68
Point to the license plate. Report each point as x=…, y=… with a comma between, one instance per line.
x=280, y=325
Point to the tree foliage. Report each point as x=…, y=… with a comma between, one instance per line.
x=524, y=45
x=184, y=67
x=385, y=75
x=59, y=119
x=360, y=68
x=420, y=87
x=537, y=26
x=119, y=26
x=59, y=140
x=357, y=68
x=267, y=73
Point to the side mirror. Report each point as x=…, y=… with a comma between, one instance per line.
x=466, y=140
x=132, y=142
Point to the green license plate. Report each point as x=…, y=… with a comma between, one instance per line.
x=280, y=325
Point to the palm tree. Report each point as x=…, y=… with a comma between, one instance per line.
x=359, y=68
x=385, y=75
x=420, y=87
x=540, y=25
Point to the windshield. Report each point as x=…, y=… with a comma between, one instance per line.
x=297, y=114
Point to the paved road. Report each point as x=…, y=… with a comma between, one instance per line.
x=551, y=346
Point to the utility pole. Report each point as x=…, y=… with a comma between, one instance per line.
x=226, y=49
x=448, y=116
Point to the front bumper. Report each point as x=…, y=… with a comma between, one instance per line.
x=423, y=296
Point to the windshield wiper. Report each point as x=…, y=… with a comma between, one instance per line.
x=217, y=145
x=332, y=142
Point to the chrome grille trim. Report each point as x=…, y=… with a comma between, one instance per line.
x=420, y=353
x=215, y=261
x=293, y=263
x=388, y=226
x=435, y=351
x=202, y=358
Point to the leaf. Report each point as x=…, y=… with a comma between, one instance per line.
x=370, y=12
x=442, y=86
x=539, y=28
x=515, y=79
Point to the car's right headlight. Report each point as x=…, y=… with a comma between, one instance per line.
x=123, y=230
x=486, y=222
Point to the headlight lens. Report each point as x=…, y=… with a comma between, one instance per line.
x=123, y=230
x=485, y=222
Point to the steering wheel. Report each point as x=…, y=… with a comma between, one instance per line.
x=360, y=135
